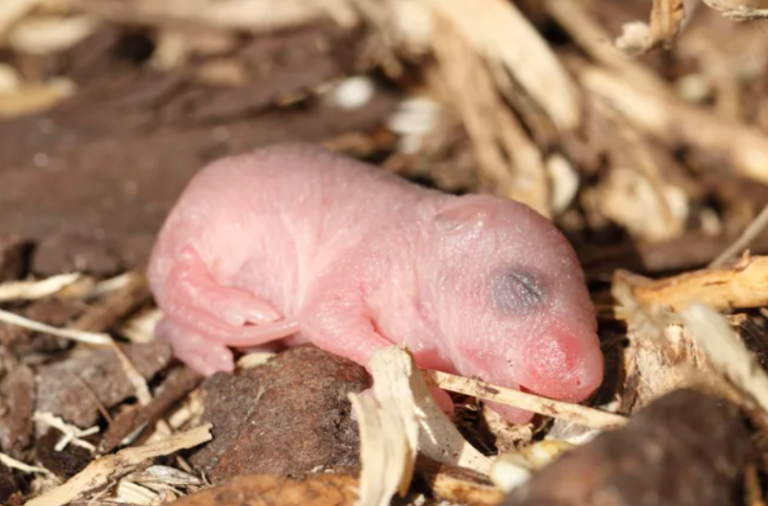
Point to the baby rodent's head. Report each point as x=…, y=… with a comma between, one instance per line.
x=508, y=295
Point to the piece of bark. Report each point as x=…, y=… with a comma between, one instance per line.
x=13, y=258
x=285, y=417
x=17, y=405
x=178, y=384
x=686, y=448
x=270, y=490
x=74, y=388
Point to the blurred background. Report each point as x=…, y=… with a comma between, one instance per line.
x=638, y=128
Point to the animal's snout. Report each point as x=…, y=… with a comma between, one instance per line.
x=567, y=367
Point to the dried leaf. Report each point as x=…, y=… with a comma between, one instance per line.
x=402, y=418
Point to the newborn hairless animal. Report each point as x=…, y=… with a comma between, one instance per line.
x=292, y=244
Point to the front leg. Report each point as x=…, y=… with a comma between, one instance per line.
x=339, y=322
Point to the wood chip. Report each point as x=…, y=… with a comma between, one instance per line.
x=110, y=467
x=743, y=285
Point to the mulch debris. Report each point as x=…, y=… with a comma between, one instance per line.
x=685, y=448
x=638, y=127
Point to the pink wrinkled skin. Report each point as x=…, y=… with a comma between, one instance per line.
x=291, y=243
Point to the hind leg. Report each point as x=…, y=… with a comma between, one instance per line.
x=228, y=315
x=195, y=350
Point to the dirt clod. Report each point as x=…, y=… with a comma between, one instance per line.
x=63, y=463
x=285, y=417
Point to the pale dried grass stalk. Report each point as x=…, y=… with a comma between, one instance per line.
x=386, y=456
x=111, y=467
x=498, y=31
x=453, y=490
x=666, y=19
x=573, y=412
x=32, y=98
x=76, y=335
x=12, y=463
x=35, y=289
x=749, y=234
x=675, y=122
x=45, y=35
x=399, y=420
x=728, y=353
x=493, y=130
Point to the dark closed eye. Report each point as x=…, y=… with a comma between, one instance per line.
x=515, y=292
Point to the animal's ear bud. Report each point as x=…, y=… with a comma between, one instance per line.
x=466, y=214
